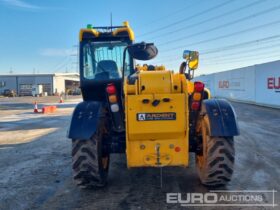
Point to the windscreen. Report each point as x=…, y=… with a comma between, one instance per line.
x=104, y=60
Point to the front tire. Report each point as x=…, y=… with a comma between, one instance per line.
x=216, y=160
x=89, y=163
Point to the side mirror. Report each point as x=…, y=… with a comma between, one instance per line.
x=192, y=58
x=143, y=51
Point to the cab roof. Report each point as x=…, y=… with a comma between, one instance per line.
x=107, y=33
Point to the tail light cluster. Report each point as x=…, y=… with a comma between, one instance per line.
x=114, y=103
x=197, y=95
x=112, y=97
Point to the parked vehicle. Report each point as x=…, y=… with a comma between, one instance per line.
x=9, y=93
x=155, y=116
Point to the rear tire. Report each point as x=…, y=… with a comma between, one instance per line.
x=216, y=160
x=90, y=165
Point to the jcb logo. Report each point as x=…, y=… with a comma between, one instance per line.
x=273, y=83
x=224, y=84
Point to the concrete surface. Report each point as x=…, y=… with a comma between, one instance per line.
x=35, y=164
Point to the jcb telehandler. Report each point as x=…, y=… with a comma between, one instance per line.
x=155, y=116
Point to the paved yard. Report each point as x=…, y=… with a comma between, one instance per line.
x=35, y=163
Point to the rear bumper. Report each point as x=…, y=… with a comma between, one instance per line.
x=158, y=153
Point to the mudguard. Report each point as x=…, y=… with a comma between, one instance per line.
x=84, y=120
x=221, y=117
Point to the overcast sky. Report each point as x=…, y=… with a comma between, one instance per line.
x=42, y=36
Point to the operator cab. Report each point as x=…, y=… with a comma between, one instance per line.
x=101, y=59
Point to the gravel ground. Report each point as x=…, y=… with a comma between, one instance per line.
x=35, y=164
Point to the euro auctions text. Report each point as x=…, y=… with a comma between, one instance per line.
x=224, y=198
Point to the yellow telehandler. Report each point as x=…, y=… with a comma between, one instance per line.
x=155, y=116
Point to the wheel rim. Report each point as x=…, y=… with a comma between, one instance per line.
x=200, y=159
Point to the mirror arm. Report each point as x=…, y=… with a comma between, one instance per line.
x=183, y=66
x=190, y=73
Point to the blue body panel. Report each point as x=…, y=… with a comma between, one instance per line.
x=221, y=117
x=85, y=119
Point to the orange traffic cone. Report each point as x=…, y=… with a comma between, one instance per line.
x=61, y=99
x=35, y=107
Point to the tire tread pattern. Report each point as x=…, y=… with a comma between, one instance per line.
x=218, y=168
x=85, y=165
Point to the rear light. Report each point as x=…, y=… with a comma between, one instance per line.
x=113, y=99
x=177, y=149
x=111, y=89
x=115, y=108
x=197, y=96
x=195, y=105
x=198, y=86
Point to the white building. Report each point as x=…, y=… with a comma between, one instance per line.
x=258, y=84
x=52, y=83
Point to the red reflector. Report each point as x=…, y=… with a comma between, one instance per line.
x=198, y=86
x=111, y=89
x=177, y=149
x=195, y=105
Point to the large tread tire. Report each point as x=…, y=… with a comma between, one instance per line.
x=215, y=164
x=90, y=166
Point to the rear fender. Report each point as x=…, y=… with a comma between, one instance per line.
x=85, y=119
x=222, y=118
